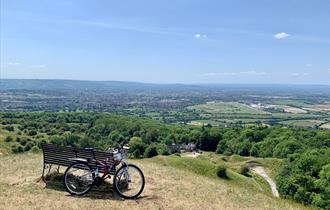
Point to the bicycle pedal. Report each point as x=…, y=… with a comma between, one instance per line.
x=98, y=181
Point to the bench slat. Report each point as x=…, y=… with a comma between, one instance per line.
x=60, y=155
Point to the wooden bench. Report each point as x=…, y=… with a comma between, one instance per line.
x=61, y=156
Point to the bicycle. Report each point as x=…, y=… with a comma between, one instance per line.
x=128, y=180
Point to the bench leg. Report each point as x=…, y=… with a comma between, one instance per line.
x=50, y=167
x=43, y=174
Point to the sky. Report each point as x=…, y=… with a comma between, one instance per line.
x=167, y=41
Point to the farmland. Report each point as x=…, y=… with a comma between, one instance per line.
x=220, y=105
x=232, y=113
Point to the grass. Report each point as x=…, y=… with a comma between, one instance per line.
x=227, y=108
x=171, y=183
x=303, y=123
x=224, y=113
x=289, y=102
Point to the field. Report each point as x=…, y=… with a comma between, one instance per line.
x=303, y=123
x=227, y=108
x=293, y=113
x=326, y=126
x=171, y=183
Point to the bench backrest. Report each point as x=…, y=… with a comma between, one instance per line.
x=60, y=155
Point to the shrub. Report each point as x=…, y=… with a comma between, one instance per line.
x=177, y=154
x=8, y=139
x=35, y=149
x=151, y=151
x=221, y=171
x=244, y=170
x=16, y=148
x=23, y=142
x=136, y=153
x=9, y=128
x=165, y=152
x=28, y=146
x=137, y=147
x=32, y=133
x=40, y=142
x=59, y=140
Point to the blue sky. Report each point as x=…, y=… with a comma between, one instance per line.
x=181, y=41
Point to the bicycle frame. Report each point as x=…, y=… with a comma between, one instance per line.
x=107, y=168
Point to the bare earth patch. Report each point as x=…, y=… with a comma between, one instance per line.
x=261, y=171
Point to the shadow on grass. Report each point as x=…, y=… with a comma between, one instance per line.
x=55, y=181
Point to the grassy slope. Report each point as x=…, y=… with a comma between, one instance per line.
x=171, y=183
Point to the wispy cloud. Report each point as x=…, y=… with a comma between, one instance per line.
x=219, y=74
x=295, y=74
x=255, y=73
x=308, y=65
x=13, y=63
x=281, y=35
x=198, y=36
x=39, y=66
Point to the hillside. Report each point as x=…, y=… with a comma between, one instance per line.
x=171, y=183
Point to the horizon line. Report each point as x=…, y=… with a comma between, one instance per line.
x=169, y=83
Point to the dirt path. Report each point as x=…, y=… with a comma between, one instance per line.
x=193, y=154
x=261, y=171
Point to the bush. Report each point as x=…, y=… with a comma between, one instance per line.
x=177, y=154
x=244, y=170
x=32, y=133
x=8, y=139
x=16, y=148
x=151, y=151
x=165, y=152
x=59, y=140
x=222, y=171
x=137, y=147
x=23, y=141
x=28, y=146
x=9, y=128
x=136, y=153
x=35, y=149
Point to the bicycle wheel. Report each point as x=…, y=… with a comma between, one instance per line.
x=78, y=179
x=129, y=181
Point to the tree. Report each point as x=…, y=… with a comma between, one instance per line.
x=244, y=148
x=323, y=198
x=209, y=140
x=137, y=147
x=284, y=148
x=255, y=151
x=305, y=177
x=151, y=151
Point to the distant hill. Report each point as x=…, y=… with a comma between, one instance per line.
x=49, y=84
x=36, y=84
